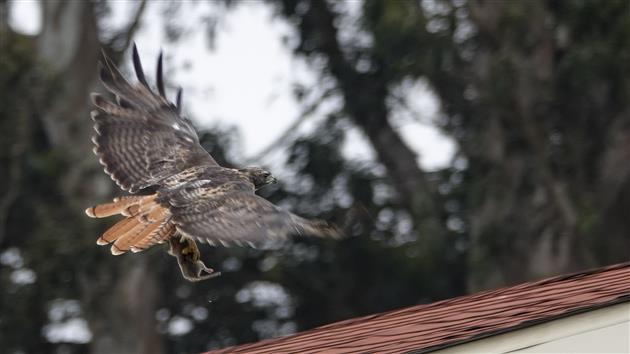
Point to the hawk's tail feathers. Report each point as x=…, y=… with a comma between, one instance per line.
x=128, y=240
x=147, y=223
x=118, y=206
x=159, y=236
x=114, y=232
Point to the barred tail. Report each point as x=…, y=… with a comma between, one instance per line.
x=118, y=206
x=146, y=224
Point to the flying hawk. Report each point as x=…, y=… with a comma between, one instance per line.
x=146, y=144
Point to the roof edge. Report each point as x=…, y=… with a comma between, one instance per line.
x=526, y=324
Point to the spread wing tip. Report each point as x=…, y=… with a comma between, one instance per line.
x=137, y=65
x=178, y=100
x=316, y=227
x=160, y=76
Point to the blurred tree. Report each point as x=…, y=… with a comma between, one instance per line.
x=535, y=93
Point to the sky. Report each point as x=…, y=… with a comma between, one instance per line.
x=247, y=79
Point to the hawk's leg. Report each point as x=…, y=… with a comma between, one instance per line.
x=188, y=258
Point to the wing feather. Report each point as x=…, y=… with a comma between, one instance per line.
x=141, y=138
x=160, y=76
x=241, y=217
x=137, y=65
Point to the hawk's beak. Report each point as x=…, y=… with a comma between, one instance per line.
x=271, y=180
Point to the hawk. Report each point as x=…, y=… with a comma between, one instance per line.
x=145, y=144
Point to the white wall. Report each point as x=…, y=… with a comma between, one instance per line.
x=606, y=330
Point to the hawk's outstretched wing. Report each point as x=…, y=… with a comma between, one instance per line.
x=240, y=217
x=142, y=138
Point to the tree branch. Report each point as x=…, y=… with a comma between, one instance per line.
x=291, y=130
x=365, y=97
x=121, y=41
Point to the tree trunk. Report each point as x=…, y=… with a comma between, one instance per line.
x=122, y=319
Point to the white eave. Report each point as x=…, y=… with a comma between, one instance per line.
x=604, y=330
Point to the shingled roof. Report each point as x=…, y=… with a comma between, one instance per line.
x=424, y=328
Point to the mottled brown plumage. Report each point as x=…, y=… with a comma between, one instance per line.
x=144, y=142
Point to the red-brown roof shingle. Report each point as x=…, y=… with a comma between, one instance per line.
x=441, y=324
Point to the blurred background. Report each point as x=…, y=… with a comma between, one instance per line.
x=463, y=145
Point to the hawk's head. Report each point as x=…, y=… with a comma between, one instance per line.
x=258, y=176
